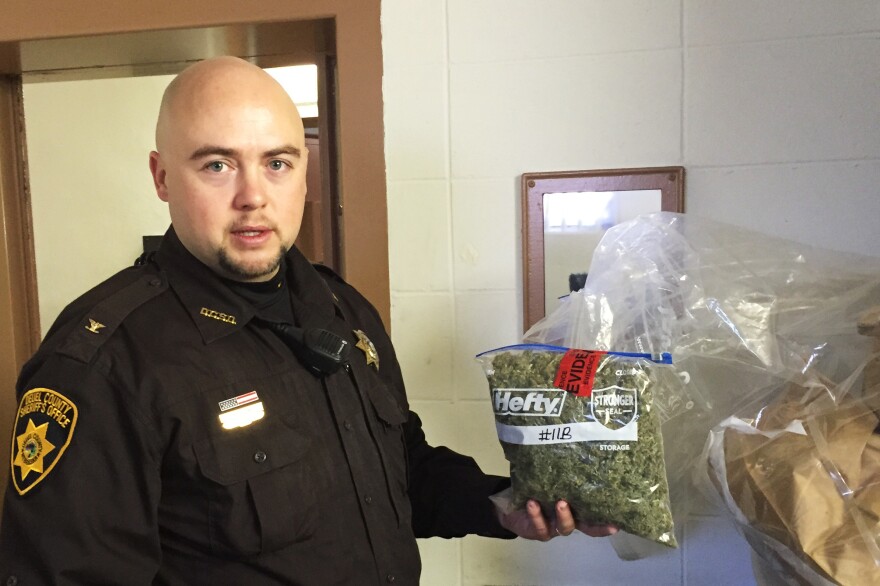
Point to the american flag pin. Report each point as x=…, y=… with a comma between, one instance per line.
x=241, y=410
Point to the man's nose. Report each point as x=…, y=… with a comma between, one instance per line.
x=250, y=193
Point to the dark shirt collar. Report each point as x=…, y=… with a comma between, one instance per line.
x=217, y=311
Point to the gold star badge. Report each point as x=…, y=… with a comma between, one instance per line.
x=42, y=431
x=32, y=448
x=369, y=350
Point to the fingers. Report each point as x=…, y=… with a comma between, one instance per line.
x=564, y=519
x=539, y=523
x=563, y=525
x=545, y=530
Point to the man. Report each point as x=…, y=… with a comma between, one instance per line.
x=196, y=419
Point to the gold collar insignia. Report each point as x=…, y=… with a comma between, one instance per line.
x=220, y=316
x=94, y=326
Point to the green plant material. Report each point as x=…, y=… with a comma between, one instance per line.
x=617, y=482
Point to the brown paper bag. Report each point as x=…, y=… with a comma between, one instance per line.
x=818, y=492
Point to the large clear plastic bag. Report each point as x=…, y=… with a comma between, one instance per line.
x=750, y=320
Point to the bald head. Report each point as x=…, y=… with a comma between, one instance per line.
x=230, y=161
x=226, y=78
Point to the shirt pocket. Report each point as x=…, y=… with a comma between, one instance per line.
x=392, y=439
x=260, y=497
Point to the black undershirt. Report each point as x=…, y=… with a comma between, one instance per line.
x=270, y=298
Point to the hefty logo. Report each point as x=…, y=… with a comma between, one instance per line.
x=535, y=402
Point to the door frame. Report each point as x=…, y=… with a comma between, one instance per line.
x=359, y=160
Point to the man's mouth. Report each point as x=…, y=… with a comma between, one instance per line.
x=252, y=234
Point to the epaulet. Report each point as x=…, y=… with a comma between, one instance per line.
x=102, y=320
x=322, y=268
x=328, y=274
x=332, y=275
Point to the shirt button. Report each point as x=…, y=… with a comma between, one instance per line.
x=260, y=456
x=368, y=499
x=347, y=425
x=390, y=578
x=11, y=580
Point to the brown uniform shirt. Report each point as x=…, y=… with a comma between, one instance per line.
x=123, y=471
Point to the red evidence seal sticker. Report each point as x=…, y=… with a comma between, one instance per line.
x=577, y=371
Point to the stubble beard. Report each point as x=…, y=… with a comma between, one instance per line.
x=240, y=271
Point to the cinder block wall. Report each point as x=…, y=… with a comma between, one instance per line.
x=773, y=108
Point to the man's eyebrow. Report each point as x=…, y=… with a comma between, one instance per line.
x=210, y=150
x=287, y=149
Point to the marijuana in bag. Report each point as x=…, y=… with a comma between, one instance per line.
x=597, y=446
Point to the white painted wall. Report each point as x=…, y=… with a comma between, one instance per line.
x=772, y=107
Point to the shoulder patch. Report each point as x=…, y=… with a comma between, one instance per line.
x=43, y=428
x=101, y=321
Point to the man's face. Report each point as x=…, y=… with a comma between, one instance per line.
x=233, y=169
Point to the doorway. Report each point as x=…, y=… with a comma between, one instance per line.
x=93, y=205
x=128, y=40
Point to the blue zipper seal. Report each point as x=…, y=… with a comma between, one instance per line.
x=662, y=358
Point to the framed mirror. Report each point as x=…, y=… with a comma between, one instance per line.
x=565, y=215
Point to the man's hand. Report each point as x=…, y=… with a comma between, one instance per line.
x=532, y=524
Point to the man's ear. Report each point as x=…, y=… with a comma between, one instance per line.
x=157, y=169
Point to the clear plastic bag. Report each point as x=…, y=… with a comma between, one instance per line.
x=754, y=322
x=580, y=426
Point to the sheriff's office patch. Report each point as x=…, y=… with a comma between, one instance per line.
x=43, y=427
